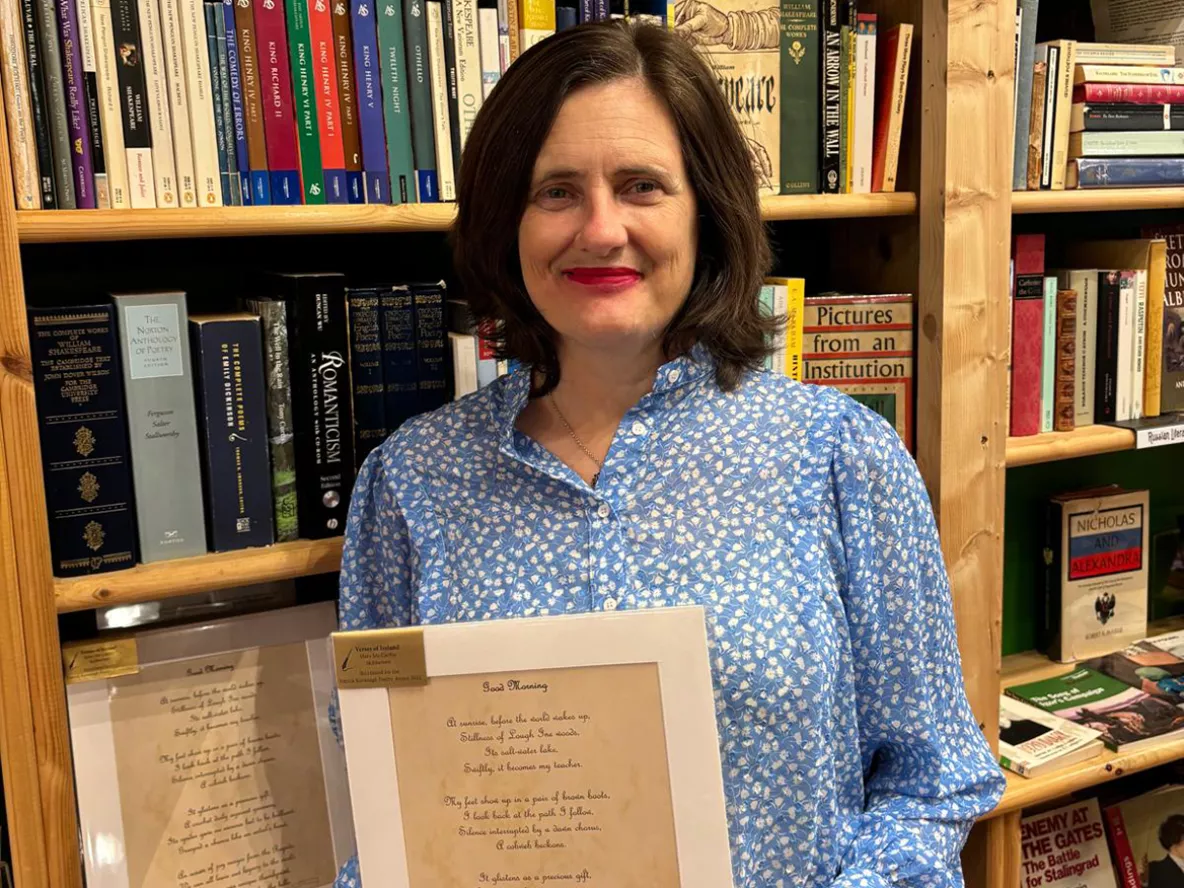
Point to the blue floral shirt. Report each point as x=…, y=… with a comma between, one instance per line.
x=797, y=519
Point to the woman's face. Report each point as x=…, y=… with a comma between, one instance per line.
x=608, y=239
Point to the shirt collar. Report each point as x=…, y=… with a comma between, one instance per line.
x=689, y=367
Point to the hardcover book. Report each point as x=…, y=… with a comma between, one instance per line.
x=1065, y=361
x=318, y=358
x=158, y=386
x=1033, y=742
x=1167, y=279
x=369, y=395
x=1066, y=848
x=398, y=355
x=1084, y=283
x=232, y=414
x=1095, y=572
x=798, y=137
x=1027, y=340
x=431, y=349
x=83, y=432
x=1134, y=826
x=830, y=107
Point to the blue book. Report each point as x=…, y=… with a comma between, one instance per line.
x=586, y=11
x=1116, y=172
x=431, y=346
x=398, y=355
x=423, y=135
x=565, y=17
x=365, y=358
x=213, y=13
x=368, y=83
x=236, y=103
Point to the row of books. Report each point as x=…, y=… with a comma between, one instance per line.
x=255, y=422
x=1090, y=115
x=1133, y=842
x=1097, y=339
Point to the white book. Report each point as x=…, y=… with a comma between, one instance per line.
x=440, y=116
x=1138, y=354
x=468, y=65
x=164, y=166
x=865, y=111
x=110, y=119
x=491, y=70
x=199, y=92
x=1085, y=283
x=1126, y=347
x=86, y=46
x=780, y=310
x=464, y=363
x=174, y=63
x=17, y=103
x=1032, y=741
x=1048, y=361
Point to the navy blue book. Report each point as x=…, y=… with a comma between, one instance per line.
x=398, y=355
x=431, y=346
x=84, y=444
x=231, y=405
x=565, y=17
x=1119, y=172
x=365, y=359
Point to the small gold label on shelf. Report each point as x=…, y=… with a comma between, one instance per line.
x=380, y=658
x=87, y=661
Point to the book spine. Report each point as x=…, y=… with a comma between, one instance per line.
x=164, y=168
x=1136, y=74
x=110, y=116
x=1064, y=106
x=38, y=101
x=253, y=111
x=238, y=117
x=438, y=75
x=365, y=351
x=1138, y=353
x=1036, y=118
x=90, y=90
x=319, y=358
x=199, y=95
x=392, y=63
x=513, y=32
x=1126, y=342
x=1112, y=117
x=1025, y=62
x=536, y=22
x=1048, y=356
x=343, y=46
x=844, y=105
x=324, y=64
x=77, y=113
x=279, y=122
x=158, y=387
x=1048, y=110
x=848, y=146
x=1106, y=348
x=1127, y=172
x=137, y=137
x=368, y=77
x=488, y=33
x=312, y=174
x=1172, y=365
x=464, y=364
x=795, y=309
x=1137, y=144
x=273, y=318
x=468, y=66
x=1027, y=335
x=232, y=413
x=83, y=435
x=453, y=119
x=892, y=79
x=21, y=137
x=419, y=76
x=830, y=110
x=1064, y=407
x=220, y=70
x=1138, y=94
x=503, y=36
x=1153, y=363
x=212, y=11
x=431, y=346
x=1125, y=863
x=398, y=355
x=1085, y=283
x=178, y=103
x=865, y=103
x=55, y=96
x=800, y=68
x=1125, y=54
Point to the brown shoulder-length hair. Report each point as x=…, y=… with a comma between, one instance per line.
x=721, y=311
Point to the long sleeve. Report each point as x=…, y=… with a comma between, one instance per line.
x=929, y=771
x=376, y=569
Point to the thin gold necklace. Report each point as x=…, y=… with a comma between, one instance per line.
x=576, y=438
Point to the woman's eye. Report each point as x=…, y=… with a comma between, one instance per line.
x=644, y=188
x=554, y=196
x=555, y=193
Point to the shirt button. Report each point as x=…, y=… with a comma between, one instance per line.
x=639, y=428
x=603, y=511
x=610, y=604
x=673, y=375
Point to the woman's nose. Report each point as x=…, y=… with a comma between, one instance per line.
x=603, y=229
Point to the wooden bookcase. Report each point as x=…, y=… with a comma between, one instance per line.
x=945, y=237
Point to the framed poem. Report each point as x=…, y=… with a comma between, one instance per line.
x=567, y=750
x=204, y=754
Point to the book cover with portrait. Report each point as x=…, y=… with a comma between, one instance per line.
x=1147, y=835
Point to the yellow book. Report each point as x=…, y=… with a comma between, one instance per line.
x=792, y=301
x=536, y=19
x=849, y=148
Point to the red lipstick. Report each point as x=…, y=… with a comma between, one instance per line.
x=605, y=279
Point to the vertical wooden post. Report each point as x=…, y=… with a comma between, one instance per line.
x=34, y=733
x=965, y=224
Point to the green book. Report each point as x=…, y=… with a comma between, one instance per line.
x=1048, y=359
x=304, y=95
x=800, y=96
x=392, y=54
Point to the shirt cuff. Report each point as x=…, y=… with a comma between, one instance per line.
x=860, y=878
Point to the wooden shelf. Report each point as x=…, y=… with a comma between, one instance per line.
x=203, y=573
x=1092, y=200
x=61, y=226
x=1084, y=441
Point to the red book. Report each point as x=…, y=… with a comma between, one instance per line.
x=324, y=65
x=893, y=51
x=279, y=126
x=1124, y=858
x=1135, y=93
x=1027, y=333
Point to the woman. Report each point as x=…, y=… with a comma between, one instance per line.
x=609, y=227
